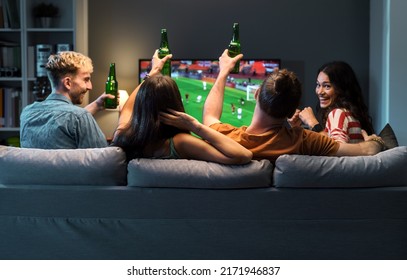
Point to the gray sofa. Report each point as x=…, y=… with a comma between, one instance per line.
x=91, y=204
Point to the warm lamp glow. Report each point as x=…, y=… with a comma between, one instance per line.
x=123, y=98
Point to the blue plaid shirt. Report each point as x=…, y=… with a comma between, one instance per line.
x=56, y=123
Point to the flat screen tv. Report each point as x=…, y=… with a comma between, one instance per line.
x=195, y=78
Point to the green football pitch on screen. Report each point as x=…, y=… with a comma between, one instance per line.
x=237, y=110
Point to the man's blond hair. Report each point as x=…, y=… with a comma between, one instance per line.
x=67, y=63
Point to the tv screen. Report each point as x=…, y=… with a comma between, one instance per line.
x=195, y=78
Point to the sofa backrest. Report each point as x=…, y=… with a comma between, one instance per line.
x=108, y=166
x=186, y=173
x=99, y=166
x=387, y=168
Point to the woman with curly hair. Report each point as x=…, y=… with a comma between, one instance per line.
x=342, y=108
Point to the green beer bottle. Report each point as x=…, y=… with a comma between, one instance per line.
x=163, y=51
x=234, y=47
x=111, y=88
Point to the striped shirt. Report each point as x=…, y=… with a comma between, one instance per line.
x=343, y=127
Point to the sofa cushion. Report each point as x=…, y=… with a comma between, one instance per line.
x=184, y=173
x=99, y=166
x=387, y=168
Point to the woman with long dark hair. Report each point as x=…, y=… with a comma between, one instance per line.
x=343, y=112
x=153, y=124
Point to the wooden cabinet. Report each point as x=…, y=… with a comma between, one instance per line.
x=21, y=32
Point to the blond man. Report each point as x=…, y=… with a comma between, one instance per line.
x=56, y=123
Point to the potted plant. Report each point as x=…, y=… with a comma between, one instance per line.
x=45, y=13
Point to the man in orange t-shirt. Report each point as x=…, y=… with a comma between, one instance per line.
x=267, y=136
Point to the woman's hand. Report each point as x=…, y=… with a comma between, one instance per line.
x=307, y=116
x=158, y=63
x=181, y=120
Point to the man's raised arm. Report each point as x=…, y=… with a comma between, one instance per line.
x=213, y=106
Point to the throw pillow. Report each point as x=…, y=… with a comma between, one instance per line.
x=184, y=173
x=387, y=168
x=389, y=137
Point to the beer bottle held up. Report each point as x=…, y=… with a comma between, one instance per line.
x=163, y=51
x=111, y=88
x=234, y=47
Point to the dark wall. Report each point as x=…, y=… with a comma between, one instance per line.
x=304, y=34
